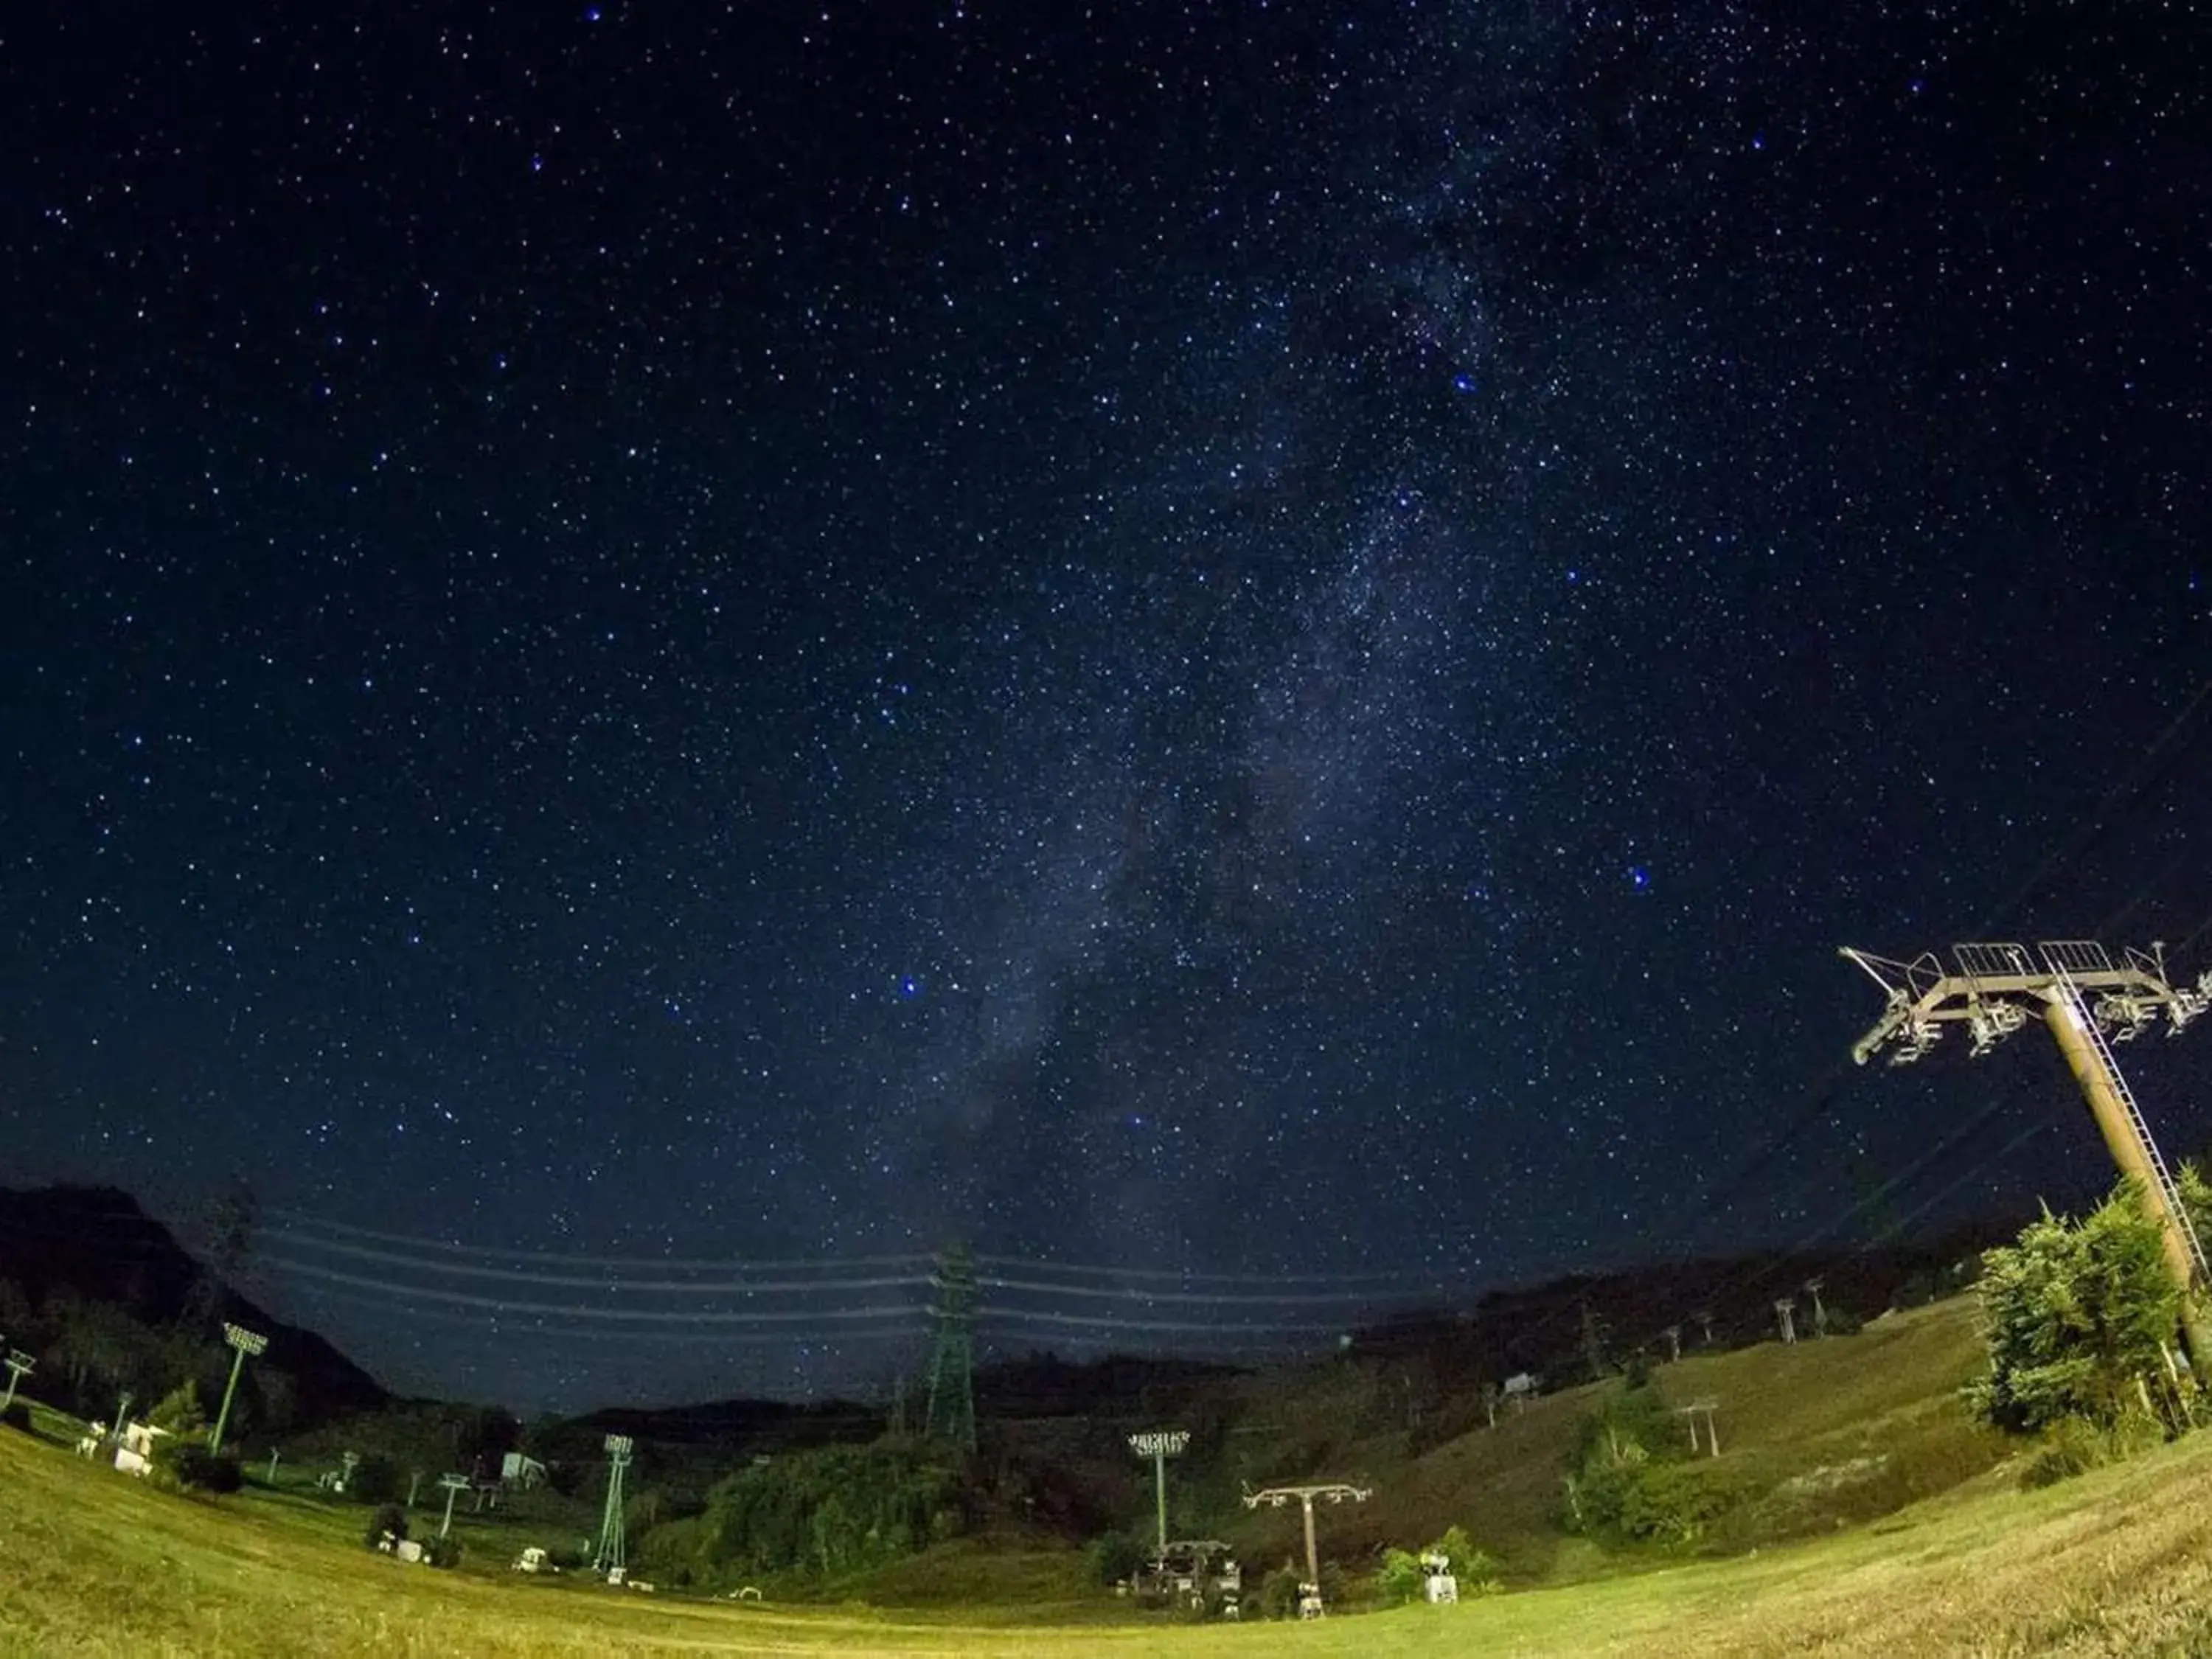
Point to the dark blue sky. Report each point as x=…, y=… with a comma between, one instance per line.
x=1273, y=640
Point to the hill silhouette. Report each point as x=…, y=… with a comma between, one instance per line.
x=97, y=1245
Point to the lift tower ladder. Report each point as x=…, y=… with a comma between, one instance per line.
x=2063, y=957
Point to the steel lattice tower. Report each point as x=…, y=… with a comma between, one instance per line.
x=613, y=1558
x=950, y=1415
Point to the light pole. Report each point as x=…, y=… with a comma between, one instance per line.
x=612, y=1558
x=1159, y=1445
x=245, y=1342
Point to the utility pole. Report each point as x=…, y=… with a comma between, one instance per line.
x=243, y=1342
x=1783, y=1310
x=18, y=1363
x=2081, y=994
x=951, y=1414
x=1333, y=1492
x=612, y=1558
x=1159, y=1445
x=454, y=1485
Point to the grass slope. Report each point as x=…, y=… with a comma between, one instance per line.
x=1820, y=1434
x=2118, y=1562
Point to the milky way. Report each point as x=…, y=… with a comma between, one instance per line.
x=1264, y=640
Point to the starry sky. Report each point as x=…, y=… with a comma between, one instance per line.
x=1229, y=639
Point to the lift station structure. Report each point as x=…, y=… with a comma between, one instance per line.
x=2087, y=1000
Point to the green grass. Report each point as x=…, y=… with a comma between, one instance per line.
x=1828, y=1432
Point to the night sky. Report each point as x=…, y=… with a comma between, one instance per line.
x=1238, y=638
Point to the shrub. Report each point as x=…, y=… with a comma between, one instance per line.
x=442, y=1551
x=2076, y=1313
x=375, y=1479
x=201, y=1470
x=2074, y=1446
x=389, y=1517
x=836, y=1510
x=179, y=1411
x=1402, y=1577
x=1672, y=1503
x=1279, y=1592
x=18, y=1415
x=1113, y=1558
x=1627, y=1481
x=669, y=1551
x=1476, y=1571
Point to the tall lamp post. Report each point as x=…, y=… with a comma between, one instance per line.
x=244, y=1342
x=1159, y=1445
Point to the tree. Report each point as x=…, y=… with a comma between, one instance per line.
x=2078, y=1314
x=1627, y=1480
x=179, y=1411
x=99, y=1349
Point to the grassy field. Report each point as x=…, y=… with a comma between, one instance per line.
x=2118, y=1562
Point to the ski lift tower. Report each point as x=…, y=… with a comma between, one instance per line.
x=2088, y=1001
x=1333, y=1492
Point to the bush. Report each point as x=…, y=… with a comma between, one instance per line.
x=1279, y=1592
x=179, y=1411
x=1401, y=1579
x=1476, y=1569
x=18, y=1415
x=375, y=1479
x=668, y=1552
x=2074, y=1446
x=1113, y=1558
x=2075, y=1314
x=1672, y=1503
x=829, y=1512
x=198, y=1469
x=1627, y=1481
x=442, y=1551
x=389, y=1517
